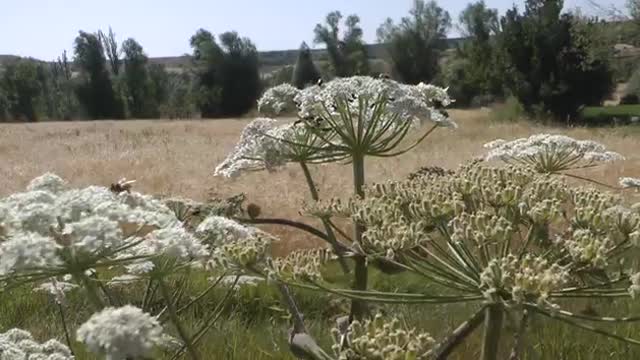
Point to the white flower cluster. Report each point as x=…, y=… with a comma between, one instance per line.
x=278, y=99
x=414, y=101
x=17, y=344
x=218, y=230
x=121, y=333
x=548, y=153
x=42, y=228
x=258, y=149
x=630, y=183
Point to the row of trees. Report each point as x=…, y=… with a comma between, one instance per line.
x=112, y=80
x=551, y=62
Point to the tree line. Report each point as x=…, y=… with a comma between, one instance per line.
x=552, y=62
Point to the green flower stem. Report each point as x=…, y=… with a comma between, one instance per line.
x=448, y=345
x=63, y=319
x=92, y=290
x=494, y=314
x=359, y=307
x=331, y=236
x=174, y=319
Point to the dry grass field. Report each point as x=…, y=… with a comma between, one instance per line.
x=177, y=158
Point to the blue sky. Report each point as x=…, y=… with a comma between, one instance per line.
x=43, y=28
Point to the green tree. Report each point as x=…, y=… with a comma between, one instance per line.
x=415, y=44
x=207, y=64
x=67, y=106
x=141, y=101
x=305, y=72
x=241, y=75
x=180, y=102
x=227, y=75
x=553, y=66
x=95, y=91
x=475, y=71
x=23, y=89
x=110, y=45
x=348, y=55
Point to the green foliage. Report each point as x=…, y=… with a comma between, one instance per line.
x=305, y=72
x=510, y=111
x=609, y=114
x=416, y=43
x=110, y=45
x=280, y=76
x=552, y=65
x=22, y=84
x=180, y=103
x=348, y=56
x=141, y=98
x=476, y=70
x=95, y=91
x=227, y=76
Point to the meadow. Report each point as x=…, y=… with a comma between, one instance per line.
x=177, y=158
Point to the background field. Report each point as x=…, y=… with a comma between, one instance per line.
x=177, y=158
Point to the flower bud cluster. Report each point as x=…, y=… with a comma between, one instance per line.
x=529, y=278
x=301, y=265
x=378, y=339
x=247, y=252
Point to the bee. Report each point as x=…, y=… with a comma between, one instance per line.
x=123, y=185
x=320, y=82
x=384, y=76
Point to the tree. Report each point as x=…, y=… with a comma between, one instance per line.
x=95, y=92
x=67, y=103
x=416, y=43
x=23, y=90
x=552, y=63
x=207, y=63
x=348, y=55
x=139, y=88
x=227, y=75
x=110, y=45
x=305, y=72
x=241, y=75
x=475, y=72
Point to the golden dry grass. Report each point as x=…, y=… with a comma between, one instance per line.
x=177, y=158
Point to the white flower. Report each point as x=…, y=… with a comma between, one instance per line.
x=174, y=242
x=550, y=153
x=94, y=234
x=57, y=289
x=26, y=251
x=120, y=333
x=627, y=182
x=48, y=182
x=218, y=230
x=17, y=344
x=278, y=99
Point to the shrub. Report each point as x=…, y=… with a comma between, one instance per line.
x=511, y=111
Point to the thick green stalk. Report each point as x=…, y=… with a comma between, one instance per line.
x=494, y=314
x=358, y=307
x=91, y=289
x=176, y=321
x=331, y=236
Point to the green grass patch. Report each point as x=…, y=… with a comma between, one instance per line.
x=611, y=111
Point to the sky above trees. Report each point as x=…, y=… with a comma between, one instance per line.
x=44, y=28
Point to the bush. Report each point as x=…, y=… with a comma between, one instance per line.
x=511, y=111
x=630, y=99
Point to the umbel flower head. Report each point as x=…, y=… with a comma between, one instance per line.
x=121, y=333
x=378, y=339
x=17, y=344
x=550, y=153
x=342, y=116
x=54, y=230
